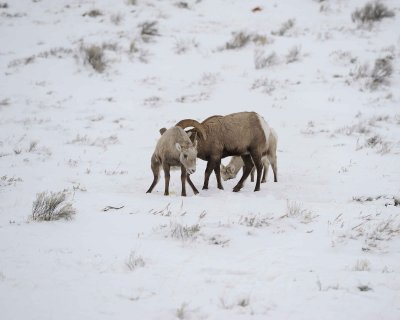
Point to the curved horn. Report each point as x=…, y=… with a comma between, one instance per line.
x=192, y=123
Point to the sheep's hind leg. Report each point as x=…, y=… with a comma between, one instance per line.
x=166, y=169
x=252, y=174
x=274, y=166
x=155, y=167
x=265, y=172
x=248, y=166
x=259, y=166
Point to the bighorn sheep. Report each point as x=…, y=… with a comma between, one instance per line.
x=242, y=134
x=175, y=149
x=231, y=170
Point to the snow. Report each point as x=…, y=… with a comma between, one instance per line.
x=301, y=248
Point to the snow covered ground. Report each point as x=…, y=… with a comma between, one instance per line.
x=322, y=243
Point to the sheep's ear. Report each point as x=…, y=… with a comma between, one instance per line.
x=162, y=130
x=231, y=169
x=178, y=147
x=189, y=134
x=222, y=167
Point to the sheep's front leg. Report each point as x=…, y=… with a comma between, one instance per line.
x=183, y=180
x=195, y=191
x=248, y=166
x=209, y=169
x=166, y=169
x=217, y=171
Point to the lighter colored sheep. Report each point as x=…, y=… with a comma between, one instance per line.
x=174, y=149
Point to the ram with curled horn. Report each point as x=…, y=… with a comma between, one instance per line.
x=244, y=134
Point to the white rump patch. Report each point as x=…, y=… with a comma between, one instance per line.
x=264, y=125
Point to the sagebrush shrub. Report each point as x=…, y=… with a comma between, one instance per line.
x=51, y=206
x=371, y=13
x=148, y=30
x=239, y=40
x=381, y=72
x=286, y=26
x=94, y=55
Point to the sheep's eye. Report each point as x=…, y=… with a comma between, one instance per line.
x=185, y=156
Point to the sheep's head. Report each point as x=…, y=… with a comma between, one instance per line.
x=188, y=155
x=228, y=172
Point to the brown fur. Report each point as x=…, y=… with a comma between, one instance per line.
x=237, y=134
x=231, y=170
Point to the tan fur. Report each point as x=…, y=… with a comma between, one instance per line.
x=174, y=149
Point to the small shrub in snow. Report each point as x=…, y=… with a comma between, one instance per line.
x=244, y=302
x=181, y=312
x=262, y=61
x=3, y=5
x=286, y=26
x=148, y=30
x=51, y=206
x=183, y=46
x=209, y=79
x=373, y=141
x=218, y=240
x=362, y=265
x=360, y=71
x=266, y=85
x=295, y=210
x=144, y=56
x=93, y=13
x=376, y=142
x=152, y=101
x=116, y=18
x=94, y=55
x=4, y=102
x=134, y=261
x=255, y=221
x=131, y=2
x=364, y=288
x=182, y=5
x=382, y=71
x=293, y=54
x=9, y=181
x=239, y=40
x=32, y=146
x=371, y=13
x=385, y=230
x=184, y=233
x=373, y=79
x=133, y=48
